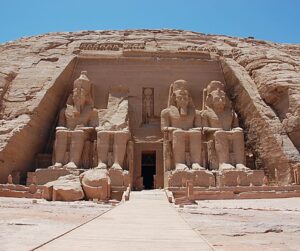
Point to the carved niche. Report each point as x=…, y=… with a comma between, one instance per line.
x=148, y=104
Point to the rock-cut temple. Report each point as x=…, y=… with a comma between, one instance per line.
x=95, y=114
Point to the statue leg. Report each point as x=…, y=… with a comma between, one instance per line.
x=195, y=138
x=60, y=147
x=102, y=149
x=179, y=149
x=119, y=148
x=77, y=142
x=239, y=150
x=222, y=149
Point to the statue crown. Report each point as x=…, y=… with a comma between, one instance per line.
x=179, y=85
x=83, y=81
x=215, y=85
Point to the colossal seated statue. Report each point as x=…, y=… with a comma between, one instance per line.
x=76, y=122
x=113, y=132
x=221, y=128
x=181, y=123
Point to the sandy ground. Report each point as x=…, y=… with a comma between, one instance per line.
x=27, y=223
x=244, y=225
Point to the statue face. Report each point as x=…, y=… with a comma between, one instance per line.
x=182, y=98
x=219, y=99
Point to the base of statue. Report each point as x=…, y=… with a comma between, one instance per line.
x=45, y=175
x=91, y=184
x=240, y=178
x=200, y=178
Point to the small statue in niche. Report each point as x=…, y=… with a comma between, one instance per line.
x=220, y=124
x=182, y=122
x=148, y=104
x=76, y=123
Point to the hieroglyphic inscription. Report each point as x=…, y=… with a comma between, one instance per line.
x=111, y=46
x=198, y=49
x=100, y=46
x=134, y=46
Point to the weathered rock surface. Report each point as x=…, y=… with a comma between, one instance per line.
x=65, y=188
x=96, y=184
x=263, y=78
x=116, y=117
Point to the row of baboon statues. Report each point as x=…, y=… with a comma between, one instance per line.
x=185, y=129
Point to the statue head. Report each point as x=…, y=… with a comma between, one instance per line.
x=179, y=96
x=82, y=92
x=216, y=97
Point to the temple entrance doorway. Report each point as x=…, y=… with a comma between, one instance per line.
x=148, y=169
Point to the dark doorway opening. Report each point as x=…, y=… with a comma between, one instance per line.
x=148, y=169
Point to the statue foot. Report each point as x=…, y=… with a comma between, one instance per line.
x=57, y=165
x=116, y=166
x=242, y=167
x=196, y=166
x=226, y=167
x=181, y=167
x=101, y=166
x=70, y=165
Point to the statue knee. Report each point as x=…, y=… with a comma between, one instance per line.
x=238, y=137
x=178, y=133
x=78, y=134
x=194, y=133
x=61, y=131
x=122, y=135
x=61, y=134
x=102, y=135
x=220, y=134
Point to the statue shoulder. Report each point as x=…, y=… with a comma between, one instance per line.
x=205, y=113
x=165, y=111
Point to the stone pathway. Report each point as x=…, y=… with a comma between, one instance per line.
x=146, y=222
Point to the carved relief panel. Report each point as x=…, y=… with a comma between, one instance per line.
x=148, y=104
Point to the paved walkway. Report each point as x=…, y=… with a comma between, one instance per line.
x=146, y=222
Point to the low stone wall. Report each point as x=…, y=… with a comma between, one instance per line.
x=20, y=191
x=180, y=195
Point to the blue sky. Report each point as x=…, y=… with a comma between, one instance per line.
x=274, y=20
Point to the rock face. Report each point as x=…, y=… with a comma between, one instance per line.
x=65, y=188
x=96, y=184
x=36, y=76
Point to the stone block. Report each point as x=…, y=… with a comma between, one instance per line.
x=43, y=176
x=200, y=178
x=203, y=178
x=66, y=188
x=96, y=184
x=119, y=177
x=257, y=177
x=178, y=178
x=233, y=178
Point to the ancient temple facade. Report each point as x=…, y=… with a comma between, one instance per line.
x=145, y=116
x=129, y=94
